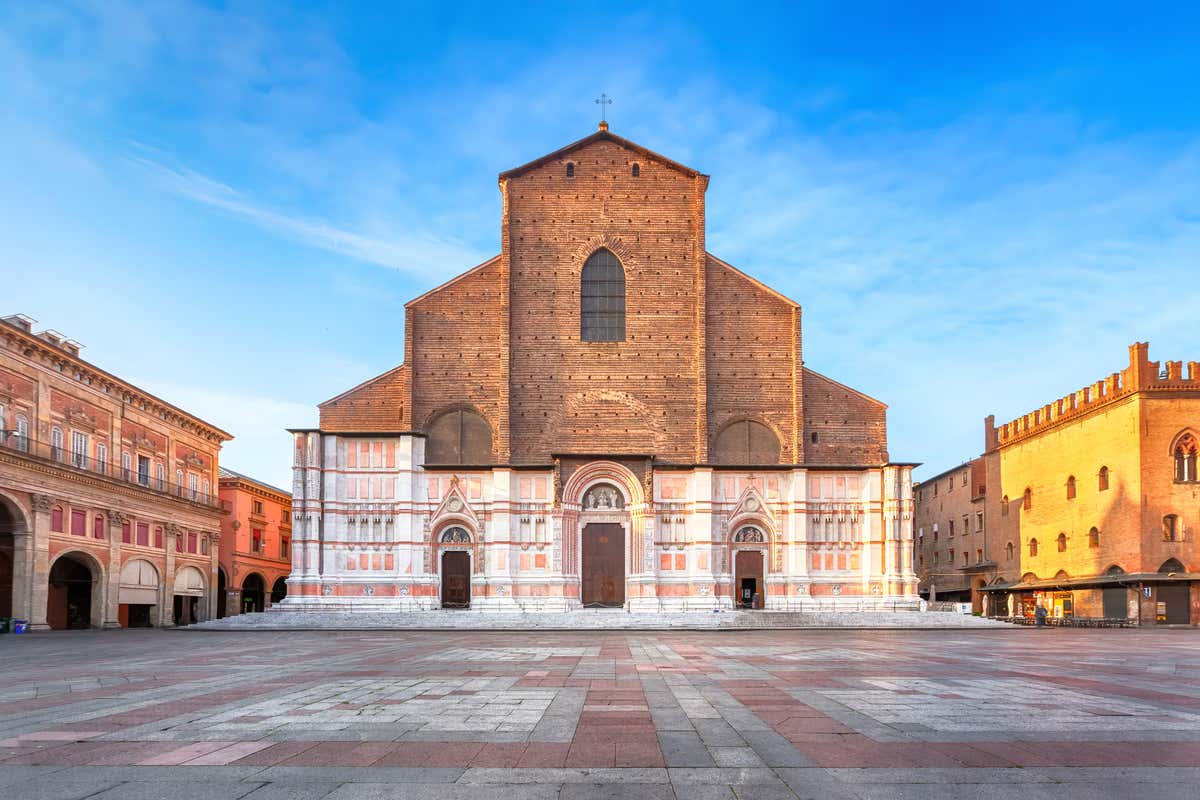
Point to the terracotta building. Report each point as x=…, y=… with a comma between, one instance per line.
x=256, y=544
x=1093, y=504
x=602, y=414
x=108, y=510
x=951, y=545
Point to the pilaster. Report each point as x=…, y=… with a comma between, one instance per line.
x=40, y=571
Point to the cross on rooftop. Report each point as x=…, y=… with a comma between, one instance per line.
x=603, y=101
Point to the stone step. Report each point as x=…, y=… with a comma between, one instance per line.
x=589, y=619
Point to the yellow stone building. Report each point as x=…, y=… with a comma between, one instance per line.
x=1093, y=502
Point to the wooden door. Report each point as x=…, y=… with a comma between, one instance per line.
x=748, y=579
x=456, y=579
x=603, y=565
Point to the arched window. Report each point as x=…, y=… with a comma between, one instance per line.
x=1170, y=528
x=1171, y=565
x=1094, y=537
x=570, y=170
x=637, y=171
x=1185, y=458
x=1028, y=501
x=1009, y=550
x=1062, y=542
x=1004, y=506
x=1102, y=479
x=602, y=298
x=1071, y=487
x=459, y=436
x=1033, y=547
x=746, y=442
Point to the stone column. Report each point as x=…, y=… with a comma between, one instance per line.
x=39, y=560
x=112, y=588
x=166, y=611
x=214, y=552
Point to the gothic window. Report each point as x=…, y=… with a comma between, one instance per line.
x=1008, y=550
x=460, y=436
x=1171, y=565
x=1033, y=547
x=1062, y=542
x=746, y=442
x=570, y=170
x=1185, y=458
x=1004, y=506
x=1094, y=537
x=1170, y=528
x=603, y=497
x=602, y=298
x=637, y=171
x=1102, y=479
x=749, y=534
x=456, y=535
x=1071, y=488
x=1028, y=502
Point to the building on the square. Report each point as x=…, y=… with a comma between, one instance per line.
x=109, y=514
x=603, y=414
x=953, y=559
x=1093, y=501
x=256, y=544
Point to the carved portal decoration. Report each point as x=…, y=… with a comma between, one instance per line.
x=749, y=534
x=456, y=535
x=42, y=502
x=603, y=497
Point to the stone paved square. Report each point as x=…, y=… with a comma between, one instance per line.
x=540, y=714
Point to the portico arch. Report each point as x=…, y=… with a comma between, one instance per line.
x=75, y=599
x=14, y=542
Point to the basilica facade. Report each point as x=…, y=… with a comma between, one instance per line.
x=603, y=414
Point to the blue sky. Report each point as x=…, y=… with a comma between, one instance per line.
x=230, y=203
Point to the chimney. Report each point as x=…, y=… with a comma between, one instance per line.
x=989, y=433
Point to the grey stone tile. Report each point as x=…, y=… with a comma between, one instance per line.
x=18, y=773
x=718, y=733
x=725, y=775
x=735, y=757
x=292, y=791
x=55, y=790
x=684, y=749
x=176, y=790
x=287, y=774
x=442, y=791
x=774, y=750
x=704, y=791
x=565, y=776
x=617, y=791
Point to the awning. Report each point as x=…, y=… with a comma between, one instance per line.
x=1094, y=582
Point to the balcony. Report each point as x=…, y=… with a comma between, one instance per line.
x=44, y=451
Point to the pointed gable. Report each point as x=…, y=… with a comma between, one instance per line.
x=602, y=135
x=374, y=406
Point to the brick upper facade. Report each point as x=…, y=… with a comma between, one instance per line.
x=705, y=345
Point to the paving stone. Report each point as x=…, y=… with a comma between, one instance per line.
x=55, y=790
x=292, y=791
x=684, y=749
x=177, y=790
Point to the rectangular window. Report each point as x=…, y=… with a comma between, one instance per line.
x=257, y=506
x=126, y=465
x=951, y=529
x=978, y=520
x=143, y=534
x=191, y=542
x=98, y=527
x=204, y=546
x=79, y=449
x=126, y=533
x=285, y=550
x=143, y=475
x=377, y=455
x=256, y=540
x=101, y=457
x=78, y=523
x=193, y=485
x=56, y=519
x=158, y=538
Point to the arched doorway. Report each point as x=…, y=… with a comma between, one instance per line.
x=253, y=592
x=221, y=609
x=977, y=596
x=278, y=590
x=137, y=594
x=602, y=556
x=9, y=522
x=189, y=596
x=456, y=579
x=69, y=601
x=749, y=587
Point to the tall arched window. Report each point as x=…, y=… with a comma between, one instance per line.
x=1004, y=506
x=1102, y=479
x=1071, y=487
x=1094, y=537
x=1008, y=551
x=1028, y=502
x=1062, y=542
x=602, y=298
x=1033, y=547
x=1185, y=458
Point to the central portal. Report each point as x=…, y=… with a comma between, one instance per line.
x=603, y=564
x=456, y=579
x=748, y=579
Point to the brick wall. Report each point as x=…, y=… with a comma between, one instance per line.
x=850, y=427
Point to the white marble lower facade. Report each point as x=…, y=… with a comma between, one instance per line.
x=372, y=528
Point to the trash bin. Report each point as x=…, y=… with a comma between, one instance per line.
x=5, y=624
x=19, y=625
